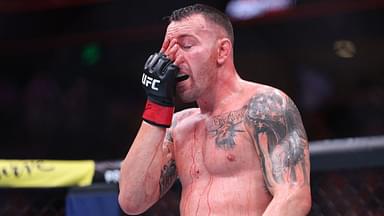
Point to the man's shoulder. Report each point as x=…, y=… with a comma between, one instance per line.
x=258, y=91
x=270, y=101
x=267, y=100
x=187, y=112
x=184, y=114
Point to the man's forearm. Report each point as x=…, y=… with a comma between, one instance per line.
x=140, y=170
x=290, y=204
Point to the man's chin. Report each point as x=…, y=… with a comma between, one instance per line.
x=185, y=98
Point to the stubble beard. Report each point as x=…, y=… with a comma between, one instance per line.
x=187, y=96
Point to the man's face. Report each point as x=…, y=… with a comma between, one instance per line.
x=197, y=48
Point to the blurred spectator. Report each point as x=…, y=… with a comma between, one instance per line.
x=75, y=105
x=316, y=88
x=368, y=107
x=10, y=118
x=42, y=95
x=315, y=91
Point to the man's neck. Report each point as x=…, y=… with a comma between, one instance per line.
x=221, y=93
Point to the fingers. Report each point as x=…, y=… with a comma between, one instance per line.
x=178, y=59
x=171, y=52
x=170, y=49
x=165, y=45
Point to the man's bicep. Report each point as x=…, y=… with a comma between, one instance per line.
x=289, y=161
x=279, y=136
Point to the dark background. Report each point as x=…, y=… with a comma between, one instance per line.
x=70, y=71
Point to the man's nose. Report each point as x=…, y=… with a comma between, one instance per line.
x=179, y=57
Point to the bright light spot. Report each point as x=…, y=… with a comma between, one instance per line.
x=344, y=48
x=247, y=9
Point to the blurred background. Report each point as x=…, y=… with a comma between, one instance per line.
x=71, y=69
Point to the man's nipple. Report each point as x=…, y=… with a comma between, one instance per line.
x=231, y=157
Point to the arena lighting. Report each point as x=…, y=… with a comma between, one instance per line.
x=90, y=54
x=248, y=9
x=344, y=48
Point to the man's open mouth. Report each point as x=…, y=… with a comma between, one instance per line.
x=181, y=77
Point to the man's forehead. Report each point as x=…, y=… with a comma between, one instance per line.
x=192, y=24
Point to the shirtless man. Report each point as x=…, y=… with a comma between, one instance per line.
x=243, y=151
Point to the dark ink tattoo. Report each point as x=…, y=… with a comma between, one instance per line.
x=225, y=127
x=168, y=136
x=167, y=177
x=276, y=117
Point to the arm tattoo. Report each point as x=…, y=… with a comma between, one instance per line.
x=168, y=136
x=167, y=176
x=168, y=173
x=224, y=128
x=276, y=117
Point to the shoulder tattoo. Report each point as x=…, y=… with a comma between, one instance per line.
x=275, y=117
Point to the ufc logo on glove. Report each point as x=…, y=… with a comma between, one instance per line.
x=149, y=81
x=159, y=83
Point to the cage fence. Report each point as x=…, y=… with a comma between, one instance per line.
x=347, y=178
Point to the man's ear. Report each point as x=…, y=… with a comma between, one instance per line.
x=224, y=50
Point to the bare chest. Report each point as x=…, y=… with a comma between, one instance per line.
x=216, y=146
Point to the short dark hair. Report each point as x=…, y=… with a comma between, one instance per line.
x=212, y=14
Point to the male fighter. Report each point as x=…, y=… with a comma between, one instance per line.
x=243, y=151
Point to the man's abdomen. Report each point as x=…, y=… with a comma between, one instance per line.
x=212, y=195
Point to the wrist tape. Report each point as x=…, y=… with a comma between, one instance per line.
x=158, y=115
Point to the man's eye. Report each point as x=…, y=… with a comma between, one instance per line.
x=187, y=46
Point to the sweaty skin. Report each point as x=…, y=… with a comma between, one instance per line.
x=223, y=161
x=244, y=151
x=217, y=163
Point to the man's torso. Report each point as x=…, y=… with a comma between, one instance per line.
x=217, y=163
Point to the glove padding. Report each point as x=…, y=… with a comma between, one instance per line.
x=159, y=79
x=159, y=83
